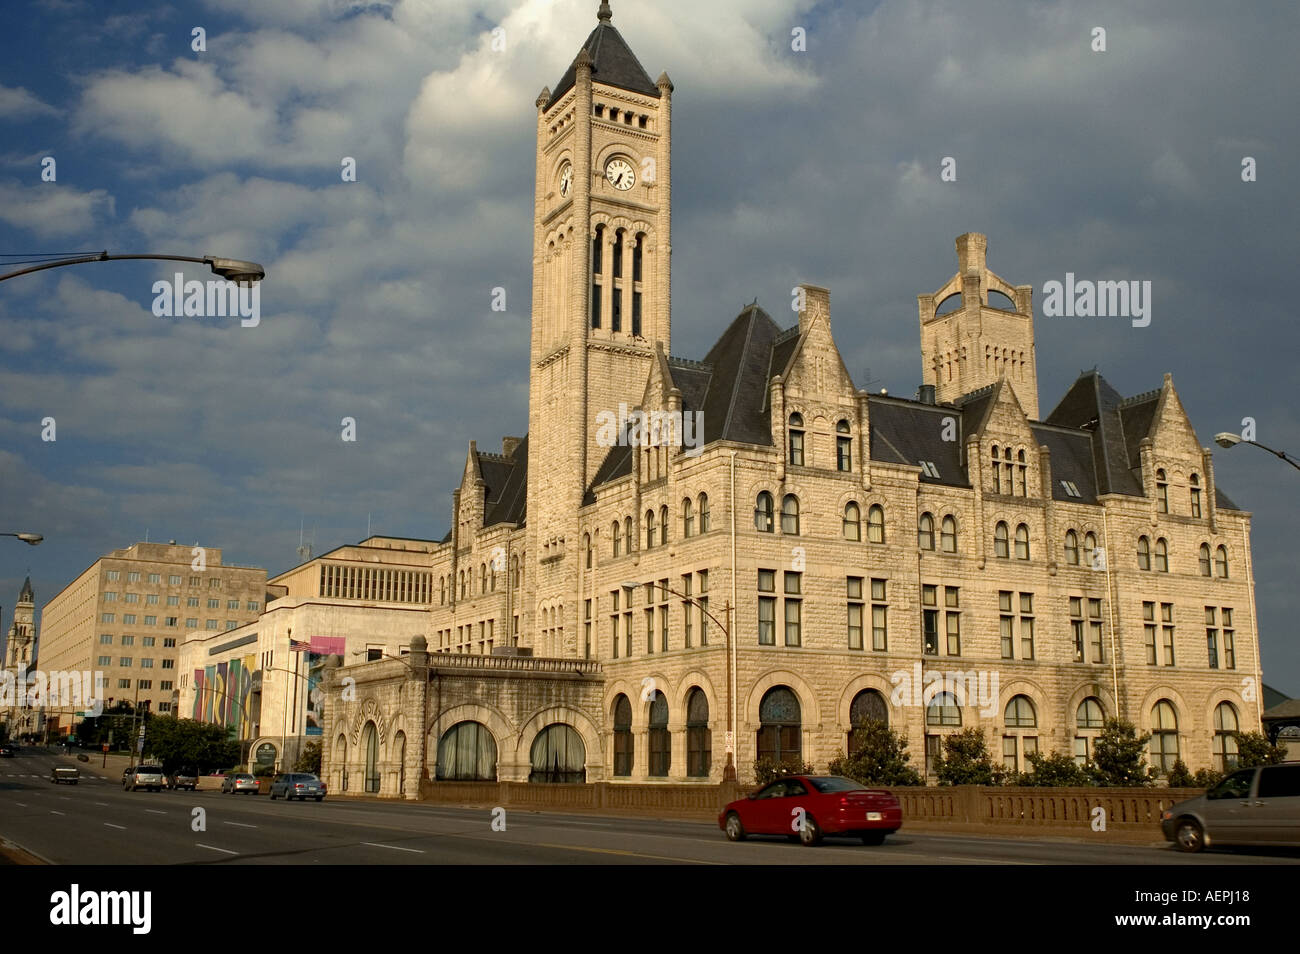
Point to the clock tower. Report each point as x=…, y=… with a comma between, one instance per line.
x=601, y=254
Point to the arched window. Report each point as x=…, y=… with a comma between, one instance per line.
x=1090, y=714
x=699, y=741
x=943, y=710
x=558, y=755
x=925, y=532
x=688, y=517
x=597, y=282
x=1164, y=736
x=1224, y=749
x=617, y=253
x=482, y=578
x=586, y=550
x=622, y=736
x=948, y=534
x=1022, y=542
x=467, y=753
x=1024, y=473
x=1221, y=562
x=442, y=586
x=663, y=525
x=867, y=706
x=1144, y=553
x=628, y=535
x=1205, y=559
x=636, y=256
x=463, y=589
x=660, y=744
x=399, y=747
x=1071, y=548
x=843, y=447
x=1162, y=492
x=1001, y=544
x=1162, y=555
x=492, y=575
x=370, y=741
x=790, y=515
x=1020, y=713
x=618, y=537
x=763, y=513
x=796, y=440
x=876, y=523
x=703, y=507
x=341, y=760
x=1089, y=547
x=852, y=521
x=780, y=726
x=1196, y=495
x=997, y=471
x=649, y=529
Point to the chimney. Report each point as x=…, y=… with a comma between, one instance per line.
x=816, y=304
x=925, y=394
x=509, y=444
x=971, y=249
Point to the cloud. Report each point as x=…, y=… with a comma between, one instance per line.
x=51, y=210
x=16, y=101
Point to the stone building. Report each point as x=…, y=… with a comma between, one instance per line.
x=125, y=614
x=19, y=660
x=813, y=555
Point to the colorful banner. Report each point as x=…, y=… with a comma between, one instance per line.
x=223, y=694
x=315, y=721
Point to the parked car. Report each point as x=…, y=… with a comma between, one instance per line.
x=184, y=779
x=831, y=804
x=298, y=785
x=1254, y=806
x=238, y=782
x=144, y=776
x=65, y=773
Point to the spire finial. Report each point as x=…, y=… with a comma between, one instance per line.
x=604, y=14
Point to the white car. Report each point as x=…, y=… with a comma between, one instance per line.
x=144, y=776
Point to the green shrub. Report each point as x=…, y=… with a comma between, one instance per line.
x=1057, y=769
x=881, y=758
x=965, y=760
x=1119, y=756
x=768, y=769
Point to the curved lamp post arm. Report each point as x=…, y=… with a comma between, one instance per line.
x=1276, y=453
x=688, y=599
x=231, y=269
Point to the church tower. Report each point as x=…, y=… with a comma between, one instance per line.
x=988, y=336
x=601, y=253
x=18, y=647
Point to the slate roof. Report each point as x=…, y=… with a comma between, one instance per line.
x=908, y=432
x=507, y=487
x=613, y=63
x=26, y=595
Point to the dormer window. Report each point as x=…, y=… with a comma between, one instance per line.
x=1070, y=489
x=1196, y=495
x=843, y=447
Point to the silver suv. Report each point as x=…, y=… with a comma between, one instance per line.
x=1254, y=806
x=144, y=776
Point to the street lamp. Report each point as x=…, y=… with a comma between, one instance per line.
x=29, y=538
x=231, y=269
x=1228, y=440
x=729, y=772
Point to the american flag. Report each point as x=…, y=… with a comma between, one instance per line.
x=299, y=646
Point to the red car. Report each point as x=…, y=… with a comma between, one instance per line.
x=810, y=806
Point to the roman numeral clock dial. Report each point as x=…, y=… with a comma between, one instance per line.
x=620, y=174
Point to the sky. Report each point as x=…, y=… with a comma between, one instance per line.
x=822, y=164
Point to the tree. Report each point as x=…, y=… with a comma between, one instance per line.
x=965, y=760
x=1254, y=748
x=187, y=743
x=1206, y=778
x=1119, y=756
x=1180, y=776
x=1057, y=769
x=880, y=758
x=309, y=759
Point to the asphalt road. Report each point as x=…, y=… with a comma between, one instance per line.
x=96, y=822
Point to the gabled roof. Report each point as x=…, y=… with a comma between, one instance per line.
x=1093, y=405
x=27, y=595
x=612, y=63
x=909, y=432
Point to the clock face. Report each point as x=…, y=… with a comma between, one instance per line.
x=566, y=180
x=620, y=174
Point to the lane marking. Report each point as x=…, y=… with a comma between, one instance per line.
x=239, y=824
x=213, y=848
x=53, y=812
x=21, y=804
x=154, y=811
x=372, y=844
x=105, y=804
x=620, y=851
x=111, y=825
